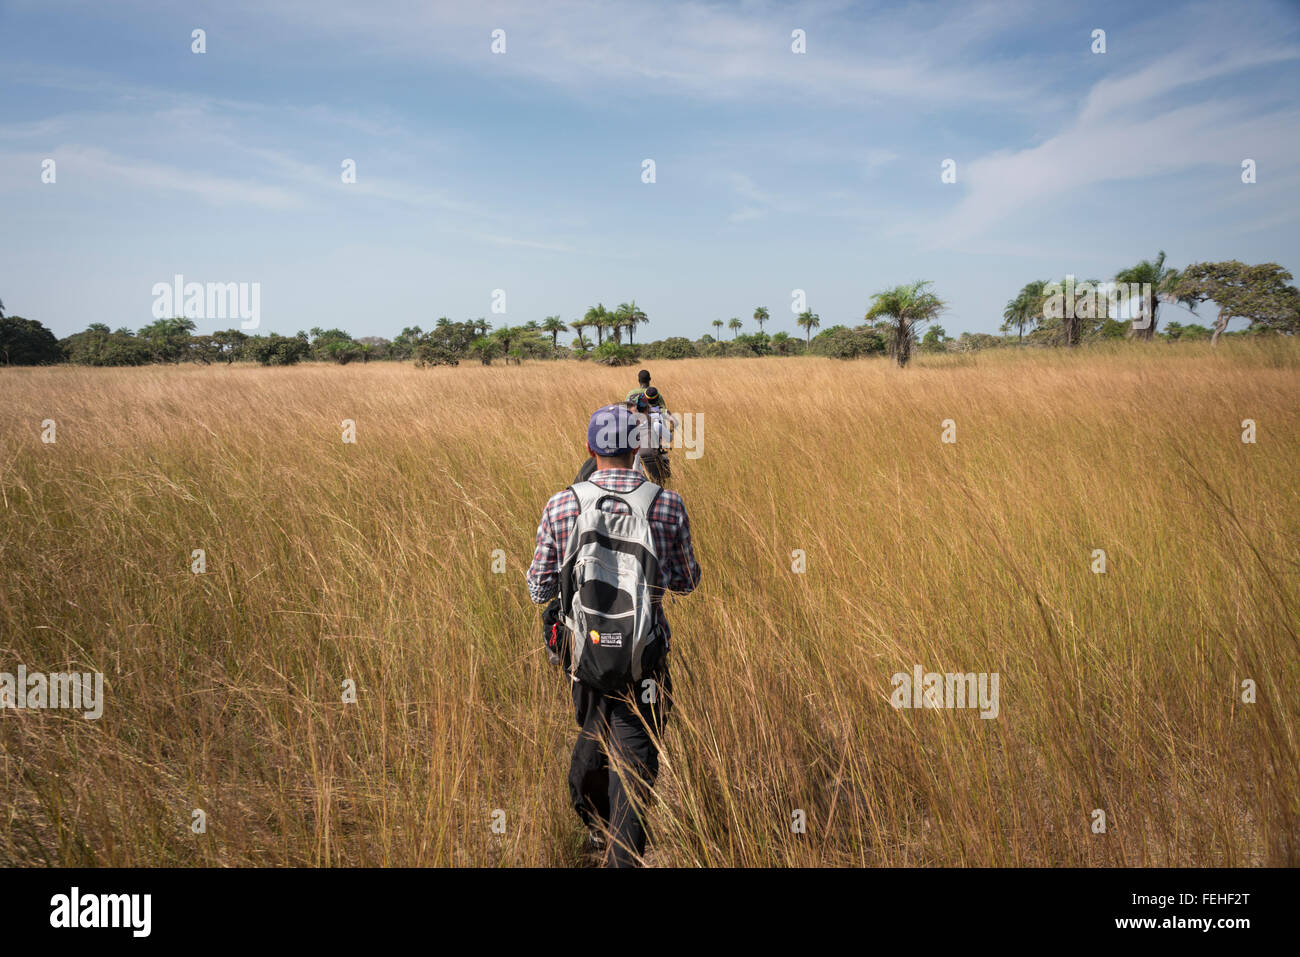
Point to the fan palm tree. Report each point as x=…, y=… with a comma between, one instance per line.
x=637, y=316
x=623, y=320
x=1026, y=309
x=1074, y=301
x=905, y=307
x=577, y=325
x=598, y=318
x=734, y=325
x=808, y=321
x=1163, y=282
x=505, y=335
x=554, y=326
x=761, y=316
x=717, y=325
x=481, y=326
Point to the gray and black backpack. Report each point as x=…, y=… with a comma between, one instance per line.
x=607, y=585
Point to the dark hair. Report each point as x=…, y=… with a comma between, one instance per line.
x=651, y=393
x=643, y=377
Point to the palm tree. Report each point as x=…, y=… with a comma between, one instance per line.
x=554, y=326
x=717, y=324
x=1026, y=309
x=1071, y=321
x=808, y=321
x=1163, y=284
x=577, y=325
x=761, y=316
x=906, y=307
x=598, y=318
x=637, y=315
x=505, y=335
x=623, y=320
x=734, y=325
x=481, y=326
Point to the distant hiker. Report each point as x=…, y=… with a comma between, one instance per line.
x=643, y=380
x=656, y=439
x=611, y=548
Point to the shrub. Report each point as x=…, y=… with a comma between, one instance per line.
x=96, y=346
x=614, y=354
x=839, y=342
x=431, y=354
x=276, y=350
x=674, y=347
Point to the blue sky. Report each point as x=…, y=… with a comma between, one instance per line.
x=522, y=171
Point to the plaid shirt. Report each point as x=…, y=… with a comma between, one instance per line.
x=678, y=569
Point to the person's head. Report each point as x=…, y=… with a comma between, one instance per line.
x=612, y=437
x=651, y=395
x=643, y=377
x=639, y=403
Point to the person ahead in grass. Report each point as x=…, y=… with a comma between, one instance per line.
x=622, y=722
x=643, y=387
x=656, y=438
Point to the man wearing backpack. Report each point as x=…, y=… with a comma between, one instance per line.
x=645, y=388
x=657, y=439
x=611, y=548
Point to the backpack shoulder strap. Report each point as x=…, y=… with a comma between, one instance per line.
x=587, y=494
x=642, y=498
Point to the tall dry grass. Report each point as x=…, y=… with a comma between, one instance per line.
x=373, y=562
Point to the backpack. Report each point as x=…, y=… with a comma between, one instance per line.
x=610, y=568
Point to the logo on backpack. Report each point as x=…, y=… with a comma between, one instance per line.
x=607, y=583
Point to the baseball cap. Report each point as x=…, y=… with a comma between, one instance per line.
x=612, y=431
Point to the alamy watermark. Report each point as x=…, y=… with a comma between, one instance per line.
x=933, y=689
x=72, y=691
x=130, y=911
x=664, y=431
x=1082, y=299
x=213, y=300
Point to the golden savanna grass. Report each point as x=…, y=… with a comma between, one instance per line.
x=373, y=562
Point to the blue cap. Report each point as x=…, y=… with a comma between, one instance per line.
x=612, y=431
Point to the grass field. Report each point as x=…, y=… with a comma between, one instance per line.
x=372, y=562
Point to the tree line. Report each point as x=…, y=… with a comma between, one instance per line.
x=1065, y=312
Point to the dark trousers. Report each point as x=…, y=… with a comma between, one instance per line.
x=610, y=726
x=656, y=467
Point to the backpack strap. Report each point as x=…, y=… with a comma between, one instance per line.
x=587, y=494
x=643, y=498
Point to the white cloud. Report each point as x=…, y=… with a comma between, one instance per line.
x=108, y=171
x=1127, y=129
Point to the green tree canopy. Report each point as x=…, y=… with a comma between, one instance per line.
x=26, y=342
x=1261, y=294
x=905, y=308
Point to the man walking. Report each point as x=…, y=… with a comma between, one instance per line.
x=656, y=440
x=620, y=712
x=644, y=388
